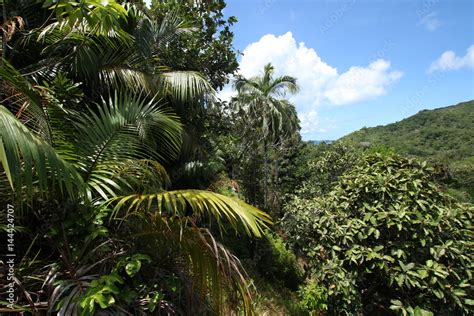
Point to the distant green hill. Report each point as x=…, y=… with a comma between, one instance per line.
x=445, y=135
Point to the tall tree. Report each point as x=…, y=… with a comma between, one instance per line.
x=267, y=114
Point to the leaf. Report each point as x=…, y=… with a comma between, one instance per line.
x=400, y=279
x=23, y=156
x=469, y=301
x=422, y=312
x=422, y=273
x=114, y=142
x=178, y=203
x=133, y=267
x=396, y=305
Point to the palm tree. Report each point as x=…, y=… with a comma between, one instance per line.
x=100, y=160
x=261, y=102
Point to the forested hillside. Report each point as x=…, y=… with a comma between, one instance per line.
x=444, y=135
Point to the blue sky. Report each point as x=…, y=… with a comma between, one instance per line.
x=360, y=63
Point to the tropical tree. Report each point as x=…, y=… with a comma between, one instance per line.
x=265, y=112
x=209, y=48
x=86, y=128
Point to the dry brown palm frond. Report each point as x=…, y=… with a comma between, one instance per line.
x=11, y=26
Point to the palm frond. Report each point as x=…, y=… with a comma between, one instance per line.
x=214, y=270
x=195, y=204
x=144, y=175
x=126, y=127
x=29, y=161
x=26, y=100
x=185, y=86
x=152, y=36
x=283, y=84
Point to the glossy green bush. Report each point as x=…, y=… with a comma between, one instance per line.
x=387, y=240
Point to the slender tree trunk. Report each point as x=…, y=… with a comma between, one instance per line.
x=265, y=176
x=3, y=45
x=4, y=36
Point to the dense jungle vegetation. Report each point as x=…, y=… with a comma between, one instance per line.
x=128, y=187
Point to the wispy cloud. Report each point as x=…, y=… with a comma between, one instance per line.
x=430, y=21
x=450, y=61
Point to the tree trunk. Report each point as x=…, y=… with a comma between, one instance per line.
x=265, y=176
x=4, y=36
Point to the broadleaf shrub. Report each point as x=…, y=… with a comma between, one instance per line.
x=387, y=240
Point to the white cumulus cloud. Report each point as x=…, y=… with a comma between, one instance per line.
x=309, y=122
x=292, y=59
x=320, y=83
x=362, y=83
x=450, y=61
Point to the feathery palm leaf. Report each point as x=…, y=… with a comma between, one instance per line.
x=123, y=60
x=261, y=100
x=26, y=101
x=195, y=204
x=213, y=268
x=185, y=86
x=124, y=128
x=144, y=175
x=30, y=162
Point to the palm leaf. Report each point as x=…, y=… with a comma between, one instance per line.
x=215, y=272
x=214, y=268
x=26, y=100
x=185, y=86
x=124, y=128
x=29, y=161
x=122, y=60
x=198, y=203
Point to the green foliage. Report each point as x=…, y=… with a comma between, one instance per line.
x=208, y=49
x=387, y=233
x=313, y=297
x=100, y=292
x=132, y=264
x=103, y=17
x=323, y=167
x=87, y=136
x=24, y=155
x=276, y=263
